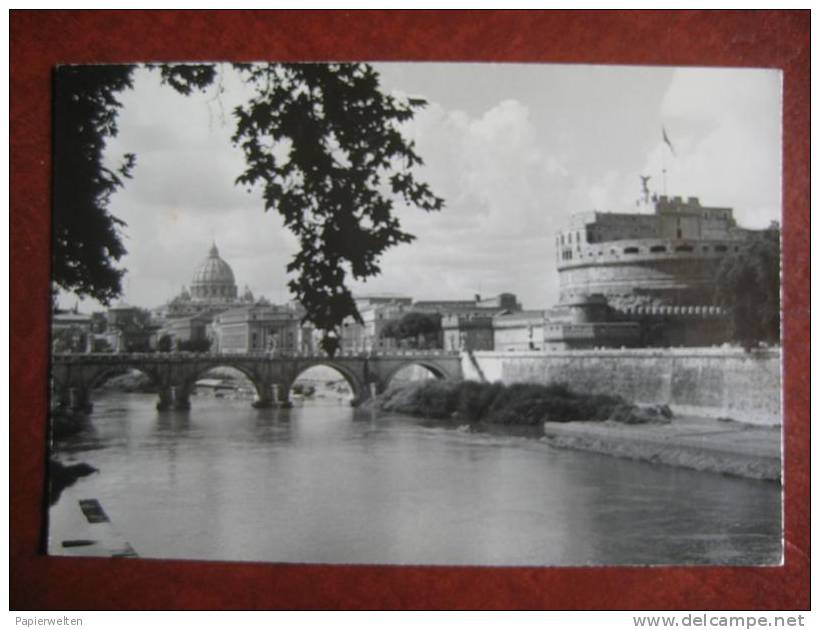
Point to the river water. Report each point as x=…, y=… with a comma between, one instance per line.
x=324, y=483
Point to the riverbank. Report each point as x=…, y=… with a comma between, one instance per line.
x=732, y=448
x=602, y=424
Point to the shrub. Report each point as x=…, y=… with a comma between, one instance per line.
x=474, y=399
x=436, y=399
x=520, y=403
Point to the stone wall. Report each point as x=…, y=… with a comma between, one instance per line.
x=717, y=382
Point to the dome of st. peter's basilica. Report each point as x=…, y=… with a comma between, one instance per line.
x=213, y=279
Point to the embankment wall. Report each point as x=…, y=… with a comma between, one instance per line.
x=714, y=382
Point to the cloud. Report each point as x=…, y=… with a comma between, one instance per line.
x=502, y=191
x=725, y=126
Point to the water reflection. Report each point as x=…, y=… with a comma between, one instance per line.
x=326, y=483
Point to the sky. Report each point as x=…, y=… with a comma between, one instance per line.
x=514, y=150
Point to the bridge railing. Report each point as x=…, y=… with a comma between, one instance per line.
x=113, y=357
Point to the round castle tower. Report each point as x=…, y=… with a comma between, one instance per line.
x=664, y=259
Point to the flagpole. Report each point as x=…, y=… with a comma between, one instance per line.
x=668, y=143
x=663, y=169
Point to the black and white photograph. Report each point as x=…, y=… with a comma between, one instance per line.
x=416, y=313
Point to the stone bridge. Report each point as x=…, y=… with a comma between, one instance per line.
x=74, y=376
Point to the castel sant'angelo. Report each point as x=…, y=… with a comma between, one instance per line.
x=645, y=278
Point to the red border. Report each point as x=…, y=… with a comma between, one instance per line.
x=39, y=40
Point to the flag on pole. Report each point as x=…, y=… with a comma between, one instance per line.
x=667, y=141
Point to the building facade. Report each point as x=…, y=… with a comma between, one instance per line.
x=377, y=313
x=468, y=331
x=195, y=327
x=261, y=329
x=465, y=324
x=502, y=301
x=519, y=331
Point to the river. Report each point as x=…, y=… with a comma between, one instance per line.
x=324, y=483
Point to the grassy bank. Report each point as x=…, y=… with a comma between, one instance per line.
x=517, y=404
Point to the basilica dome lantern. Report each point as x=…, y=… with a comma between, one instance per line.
x=213, y=280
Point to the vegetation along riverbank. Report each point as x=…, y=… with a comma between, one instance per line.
x=516, y=404
x=603, y=424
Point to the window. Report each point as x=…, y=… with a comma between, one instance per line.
x=630, y=250
x=655, y=249
x=720, y=248
x=683, y=248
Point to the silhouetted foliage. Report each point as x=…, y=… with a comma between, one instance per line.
x=414, y=326
x=138, y=345
x=101, y=345
x=86, y=241
x=61, y=476
x=390, y=330
x=99, y=322
x=69, y=339
x=748, y=285
x=134, y=320
x=193, y=345
x=186, y=77
x=347, y=164
x=165, y=343
x=321, y=140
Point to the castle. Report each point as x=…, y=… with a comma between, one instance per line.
x=641, y=279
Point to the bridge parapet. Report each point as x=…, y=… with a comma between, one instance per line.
x=131, y=357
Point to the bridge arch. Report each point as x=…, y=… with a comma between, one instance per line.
x=260, y=385
x=107, y=372
x=357, y=386
x=72, y=386
x=434, y=368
